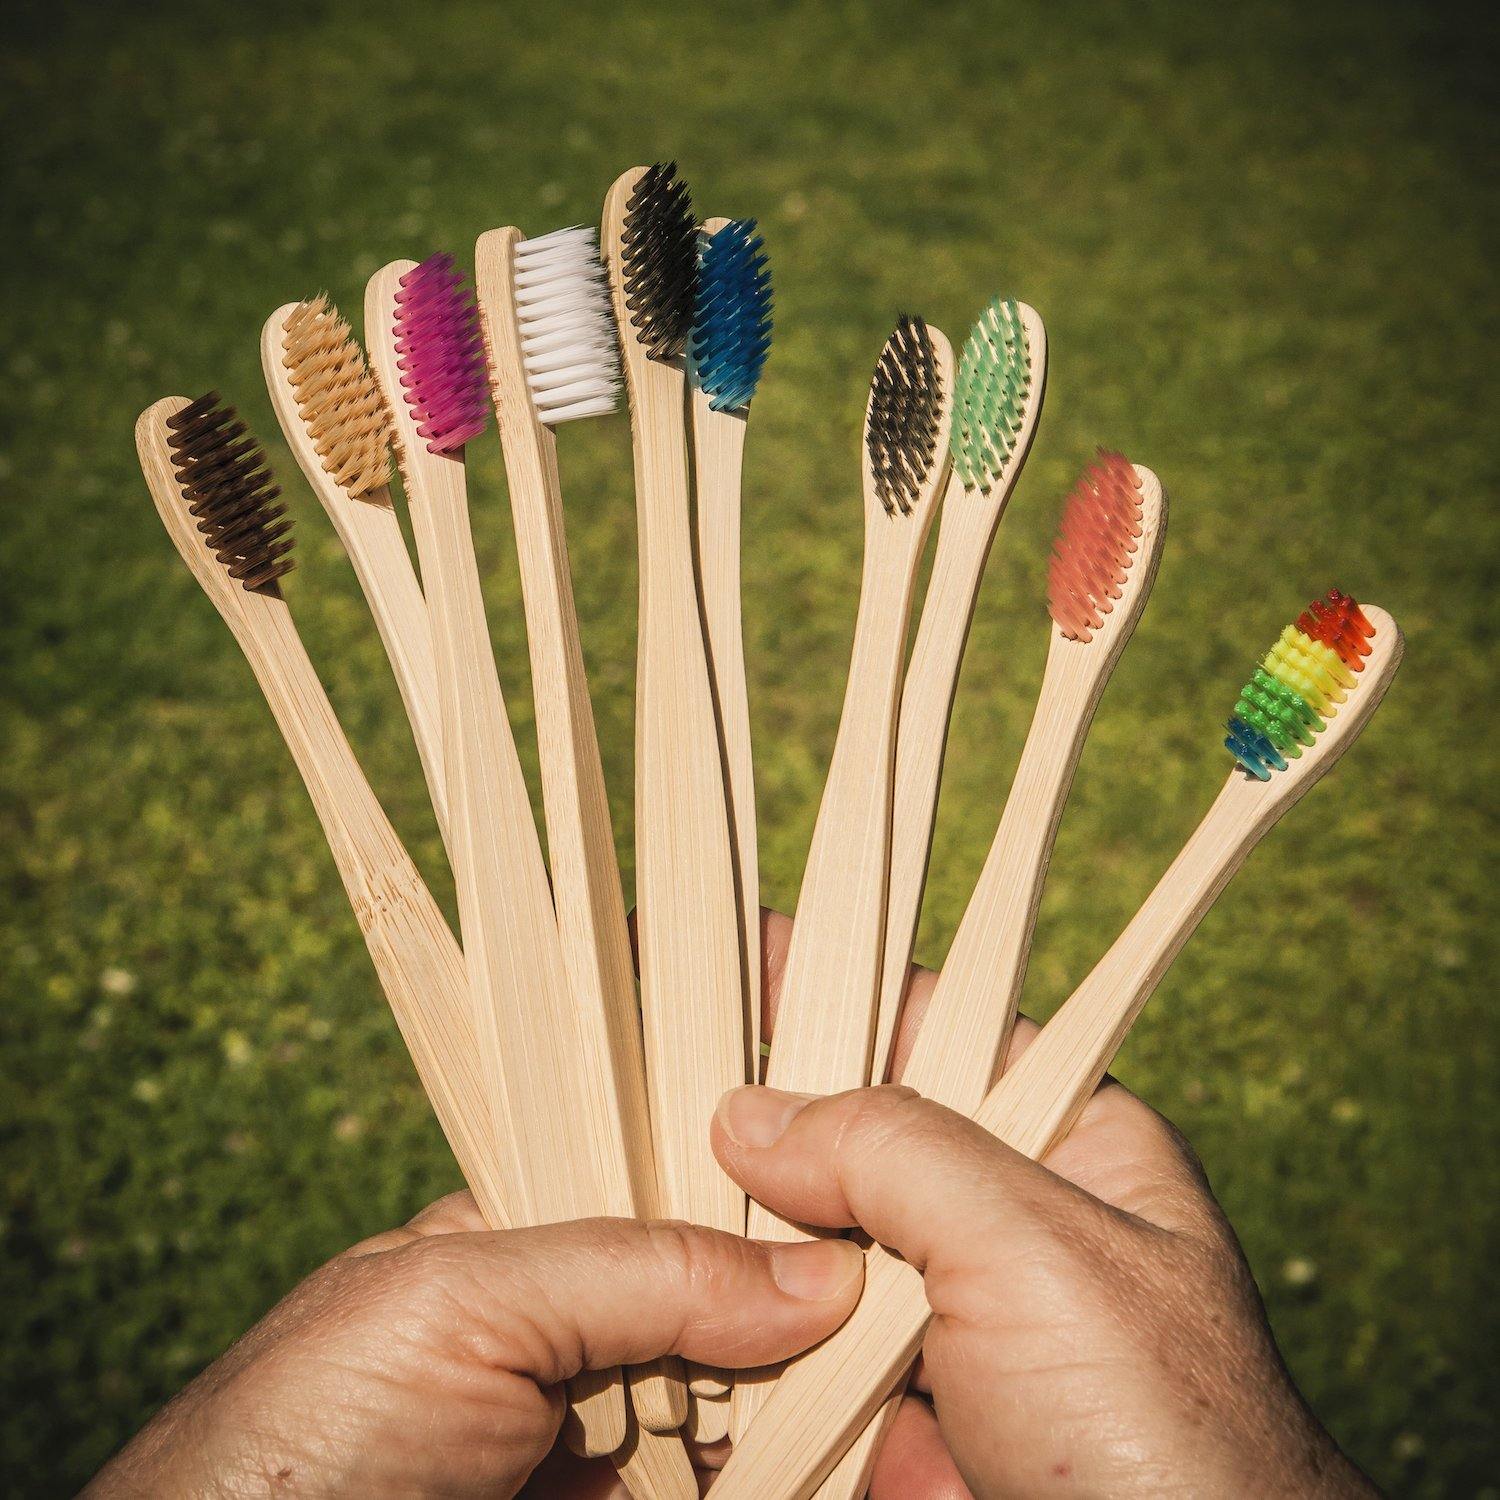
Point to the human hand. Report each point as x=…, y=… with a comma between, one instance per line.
x=430, y=1360
x=1096, y=1330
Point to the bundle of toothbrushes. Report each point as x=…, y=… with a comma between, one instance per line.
x=568, y=1080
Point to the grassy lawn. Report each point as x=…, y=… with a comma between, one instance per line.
x=1263, y=241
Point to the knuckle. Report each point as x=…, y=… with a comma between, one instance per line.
x=683, y=1249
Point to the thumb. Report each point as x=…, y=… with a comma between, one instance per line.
x=603, y=1292
x=921, y=1179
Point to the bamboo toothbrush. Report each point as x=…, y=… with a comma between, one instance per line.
x=686, y=911
x=1304, y=707
x=997, y=399
x=730, y=340
x=427, y=352
x=216, y=497
x=1103, y=565
x=339, y=431
x=825, y=1020
x=554, y=357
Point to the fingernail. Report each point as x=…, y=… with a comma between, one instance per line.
x=756, y=1116
x=818, y=1270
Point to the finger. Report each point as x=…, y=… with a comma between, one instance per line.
x=457, y=1213
x=775, y=943
x=551, y=1301
x=915, y=1176
x=920, y=984
x=914, y=1462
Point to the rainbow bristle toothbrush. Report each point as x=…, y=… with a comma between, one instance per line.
x=730, y=340
x=216, y=496
x=428, y=354
x=687, y=913
x=554, y=358
x=825, y=1398
x=997, y=399
x=339, y=431
x=825, y=1020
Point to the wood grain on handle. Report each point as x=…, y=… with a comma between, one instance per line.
x=370, y=531
x=686, y=910
x=420, y=966
x=966, y=532
x=526, y=1019
x=827, y=1397
x=825, y=1016
x=610, y=1092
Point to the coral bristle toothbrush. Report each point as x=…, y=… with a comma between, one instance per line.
x=427, y=352
x=997, y=399
x=825, y=1020
x=730, y=340
x=1103, y=565
x=339, y=431
x=1303, y=708
x=554, y=357
x=687, y=914
x=216, y=497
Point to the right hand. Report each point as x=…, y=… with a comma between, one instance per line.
x=1096, y=1330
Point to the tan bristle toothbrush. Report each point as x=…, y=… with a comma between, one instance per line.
x=1104, y=562
x=427, y=352
x=825, y=1019
x=554, y=357
x=1306, y=704
x=1002, y=376
x=216, y=497
x=337, y=426
x=687, y=914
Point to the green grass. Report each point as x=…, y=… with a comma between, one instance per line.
x=1263, y=240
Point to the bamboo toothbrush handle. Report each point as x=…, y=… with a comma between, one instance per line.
x=421, y=967
x=718, y=459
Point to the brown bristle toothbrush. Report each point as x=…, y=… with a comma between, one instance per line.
x=554, y=357
x=427, y=352
x=216, y=497
x=1002, y=376
x=825, y=1019
x=687, y=915
x=1305, y=705
x=1103, y=565
x=339, y=431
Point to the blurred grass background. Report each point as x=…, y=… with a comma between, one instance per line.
x=1263, y=240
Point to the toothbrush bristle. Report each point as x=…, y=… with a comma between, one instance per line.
x=569, y=347
x=228, y=487
x=1095, y=545
x=440, y=348
x=990, y=394
x=337, y=397
x=659, y=261
x=732, y=315
x=901, y=425
x=1299, y=685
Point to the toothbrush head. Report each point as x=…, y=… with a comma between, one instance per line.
x=228, y=486
x=337, y=397
x=732, y=315
x=1299, y=685
x=990, y=394
x=440, y=353
x=904, y=415
x=659, y=261
x=569, y=347
x=1095, y=547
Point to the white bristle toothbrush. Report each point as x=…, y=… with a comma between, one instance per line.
x=687, y=914
x=337, y=426
x=1002, y=376
x=1104, y=562
x=825, y=1019
x=554, y=357
x=1306, y=704
x=214, y=491
x=427, y=352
